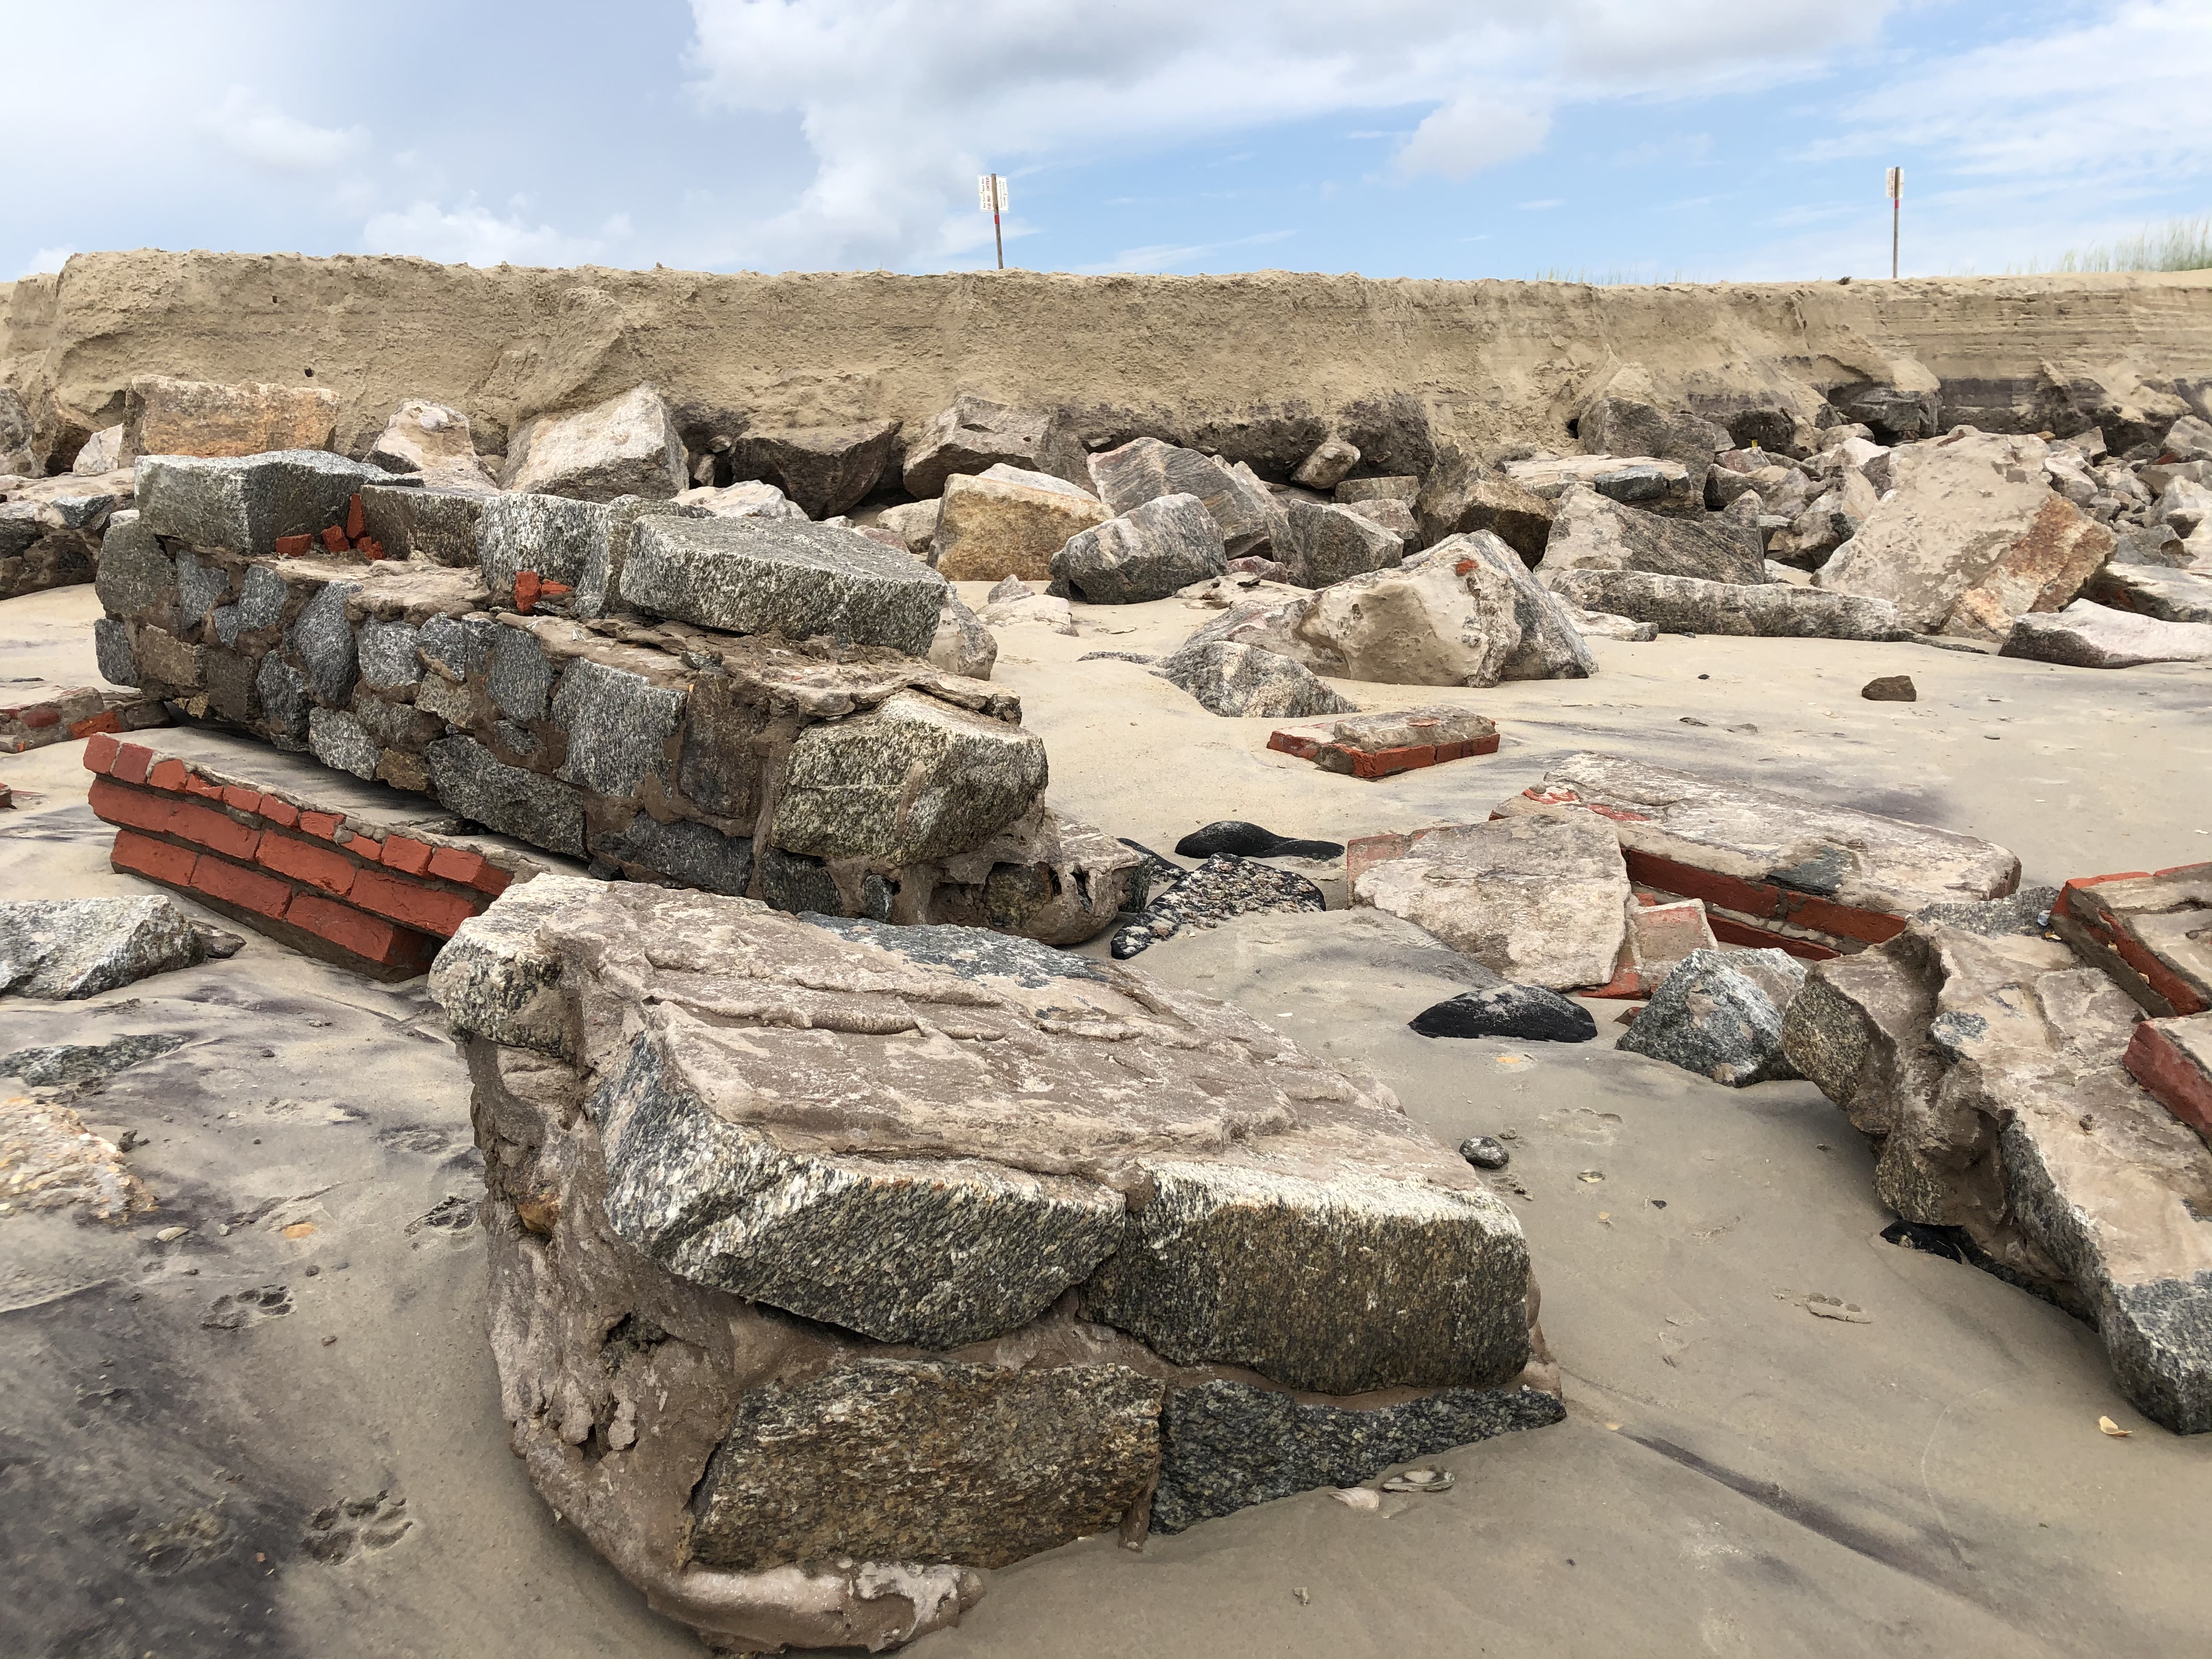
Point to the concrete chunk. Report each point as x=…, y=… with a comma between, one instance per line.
x=1687, y=604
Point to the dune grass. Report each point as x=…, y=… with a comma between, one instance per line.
x=2177, y=245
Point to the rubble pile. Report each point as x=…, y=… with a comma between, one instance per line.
x=833, y=1263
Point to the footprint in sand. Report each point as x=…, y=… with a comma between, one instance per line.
x=338, y=1532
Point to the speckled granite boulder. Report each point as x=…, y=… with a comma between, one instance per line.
x=834, y=1262
x=67, y=949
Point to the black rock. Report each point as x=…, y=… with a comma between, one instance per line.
x=1222, y=887
x=1528, y=1012
x=1154, y=876
x=1484, y=1153
x=1249, y=841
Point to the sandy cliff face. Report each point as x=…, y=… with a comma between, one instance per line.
x=1262, y=366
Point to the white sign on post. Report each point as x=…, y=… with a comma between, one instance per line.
x=1896, y=184
x=991, y=192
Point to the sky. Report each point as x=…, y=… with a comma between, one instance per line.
x=1619, y=140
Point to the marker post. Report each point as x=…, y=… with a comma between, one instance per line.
x=1896, y=184
x=991, y=194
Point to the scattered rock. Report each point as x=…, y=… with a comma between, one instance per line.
x=627, y=445
x=69, y=949
x=1235, y=681
x=1590, y=533
x=988, y=528
x=431, y=438
x=1152, y=550
x=1719, y=1014
x=961, y=644
x=1013, y=602
x=166, y=416
x=751, y=499
x=102, y=453
x=1484, y=1153
x=1461, y=497
x=976, y=433
x=1686, y=605
x=1529, y=1012
x=1320, y=544
x=1644, y=482
x=2090, y=635
x=1604, y=625
x=1224, y=886
x=1146, y=469
x=2179, y=596
x=1251, y=841
x=1890, y=688
x=1627, y=426
x=1325, y=468
x=825, y=470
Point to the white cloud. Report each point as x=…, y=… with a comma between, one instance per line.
x=47, y=259
x=902, y=102
x=472, y=234
x=1166, y=256
x=257, y=130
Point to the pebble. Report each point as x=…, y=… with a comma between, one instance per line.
x=1891, y=688
x=170, y=1235
x=1484, y=1153
x=1222, y=887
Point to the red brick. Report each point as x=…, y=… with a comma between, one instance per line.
x=1289, y=743
x=245, y=801
x=410, y=857
x=366, y=848
x=100, y=752
x=160, y=860
x=324, y=824
x=206, y=788
x=526, y=586
x=1734, y=932
x=137, y=809
x=293, y=547
x=368, y=937
x=304, y=860
x=280, y=813
x=1757, y=899
x=106, y=720
x=131, y=761
x=454, y=864
x=492, y=879
x=430, y=909
x=370, y=547
x=1387, y=762
x=38, y=717
x=334, y=539
x=216, y=830
x=356, y=524
x=168, y=774
x=2179, y=1084
x=249, y=890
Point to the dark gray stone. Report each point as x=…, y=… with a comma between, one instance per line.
x=935, y=1252
x=902, y=1460
x=1150, y=551
x=65, y=1064
x=561, y=539
x=793, y=882
x=1484, y=1153
x=715, y=767
x=619, y=726
x=111, y=649
x=1224, y=1445
x=200, y=588
x=438, y=526
x=337, y=739
x=601, y=578
x=2027, y=912
x=782, y=576
x=1322, y=544
x=244, y=503
x=1529, y=1012
x=826, y=470
x=517, y=674
x=1207, y=1252
x=912, y=780
x=1891, y=688
x=282, y=690
x=134, y=572
x=1251, y=841
x=975, y=435
x=1224, y=886
x=469, y=781
x=387, y=653
x=2159, y=1336
x=1719, y=1013
x=1627, y=426
x=323, y=639
x=1236, y=680
x=458, y=647
x=64, y=950
x=1893, y=416
x=1687, y=604
x=696, y=855
x=262, y=598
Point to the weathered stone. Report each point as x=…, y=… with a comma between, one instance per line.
x=1146, y=469
x=2179, y=596
x=1590, y=533
x=826, y=470
x=1645, y=482
x=1322, y=544
x=1393, y=514
x=200, y=588
x=322, y=637
x=281, y=691
x=103, y=452
x=988, y=529
x=1528, y=1013
x=626, y=446
x=750, y=499
x=914, y=779
x=1890, y=688
x=1891, y=414
x=440, y=525
x=388, y=655
x=1403, y=486
x=914, y=523
x=778, y=576
x=166, y=662
x=135, y=574
x=67, y=1064
x=1687, y=604
x=696, y=855
x=619, y=724
x=338, y=740
x=1236, y=681
x=1043, y=877
x=1224, y=1445
x=261, y=599
x=976, y=433
x=976, y=1464
x=961, y=644
x=65, y=950
x=434, y=440
x=1461, y=496
x=1203, y=1259
x=2089, y=635
x=1627, y=426
x=242, y=505
x=1719, y=1014
x=1012, y=603
x=1400, y=740
x=1604, y=625
x=2027, y=912
x=456, y=648
x=1541, y=905
x=497, y=979
x=1154, y=550
x=2151, y=933
x=1787, y=867
x=563, y=540
x=164, y=416
x=1325, y=468
x=507, y=799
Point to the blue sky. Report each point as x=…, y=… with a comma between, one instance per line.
x=1637, y=139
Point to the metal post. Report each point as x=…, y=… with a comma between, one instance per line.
x=1000, y=236
x=1895, y=185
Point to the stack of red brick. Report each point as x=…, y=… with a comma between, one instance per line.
x=352, y=537
x=1373, y=746
x=56, y=714
x=383, y=906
